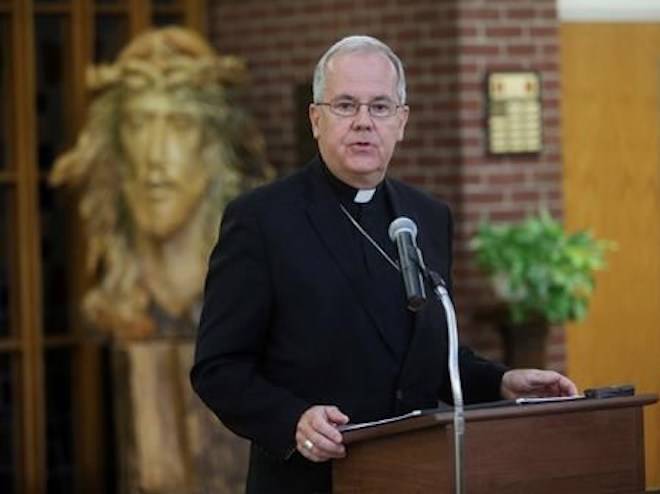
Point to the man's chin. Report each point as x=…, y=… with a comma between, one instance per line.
x=367, y=177
x=366, y=165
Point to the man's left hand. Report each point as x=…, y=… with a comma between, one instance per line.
x=517, y=383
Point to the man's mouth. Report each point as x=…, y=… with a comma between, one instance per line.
x=361, y=145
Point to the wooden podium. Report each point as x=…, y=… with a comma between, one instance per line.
x=586, y=446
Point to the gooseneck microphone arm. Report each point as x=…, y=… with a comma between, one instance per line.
x=403, y=232
x=439, y=288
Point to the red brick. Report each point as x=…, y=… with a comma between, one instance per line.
x=484, y=197
x=520, y=13
x=472, y=161
x=526, y=196
x=470, y=86
x=509, y=65
x=472, y=122
x=427, y=52
x=506, y=178
x=551, y=121
x=503, y=32
x=482, y=50
x=467, y=31
x=413, y=179
x=555, y=194
x=391, y=19
x=447, y=142
x=427, y=15
x=506, y=216
x=521, y=49
x=547, y=13
x=479, y=14
x=550, y=85
x=550, y=66
x=546, y=31
x=411, y=34
x=552, y=49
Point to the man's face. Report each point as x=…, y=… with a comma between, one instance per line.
x=162, y=140
x=358, y=149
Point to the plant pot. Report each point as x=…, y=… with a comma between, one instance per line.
x=525, y=344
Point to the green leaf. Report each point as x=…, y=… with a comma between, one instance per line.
x=541, y=270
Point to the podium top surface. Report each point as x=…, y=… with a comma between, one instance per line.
x=496, y=411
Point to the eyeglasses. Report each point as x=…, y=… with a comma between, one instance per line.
x=348, y=107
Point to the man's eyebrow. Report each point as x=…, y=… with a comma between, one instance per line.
x=345, y=96
x=382, y=97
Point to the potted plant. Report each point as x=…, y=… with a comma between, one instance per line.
x=542, y=274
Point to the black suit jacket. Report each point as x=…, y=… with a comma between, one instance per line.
x=288, y=322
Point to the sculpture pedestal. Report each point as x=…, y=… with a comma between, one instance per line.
x=168, y=441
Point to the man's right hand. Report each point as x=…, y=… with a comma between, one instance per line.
x=317, y=437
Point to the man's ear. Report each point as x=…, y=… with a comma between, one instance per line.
x=403, y=119
x=314, y=116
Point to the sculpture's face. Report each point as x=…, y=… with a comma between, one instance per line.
x=162, y=140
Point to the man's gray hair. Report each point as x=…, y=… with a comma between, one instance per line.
x=352, y=44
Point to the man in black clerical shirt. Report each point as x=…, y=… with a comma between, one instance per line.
x=371, y=210
x=304, y=325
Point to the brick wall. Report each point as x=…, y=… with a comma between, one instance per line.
x=447, y=47
x=503, y=35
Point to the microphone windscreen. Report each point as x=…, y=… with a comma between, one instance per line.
x=400, y=225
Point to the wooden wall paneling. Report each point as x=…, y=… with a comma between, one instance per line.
x=28, y=342
x=5, y=85
x=194, y=15
x=140, y=14
x=82, y=36
x=10, y=363
x=89, y=406
x=610, y=108
x=29, y=290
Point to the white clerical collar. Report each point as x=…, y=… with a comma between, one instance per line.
x=363, y=196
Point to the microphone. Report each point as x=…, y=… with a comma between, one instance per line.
x=403, y=233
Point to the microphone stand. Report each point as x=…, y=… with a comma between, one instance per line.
x=440, y=290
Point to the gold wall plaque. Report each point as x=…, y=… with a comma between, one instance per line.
x=514, y=113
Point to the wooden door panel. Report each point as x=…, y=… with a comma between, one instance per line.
x=610, y=87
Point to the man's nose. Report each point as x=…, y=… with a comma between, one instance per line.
x=362, y=119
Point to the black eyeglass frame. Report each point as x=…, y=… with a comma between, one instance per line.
x=358, y=104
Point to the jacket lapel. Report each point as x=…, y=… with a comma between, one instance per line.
x=336, y=232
